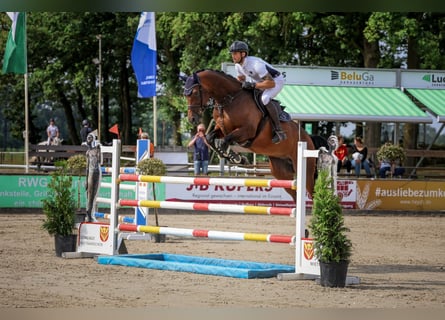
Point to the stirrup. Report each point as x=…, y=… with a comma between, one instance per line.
x=279, y=136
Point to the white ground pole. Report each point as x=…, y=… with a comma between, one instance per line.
x=114, y=219
x=301, y=271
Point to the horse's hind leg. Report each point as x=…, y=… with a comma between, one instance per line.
x=282, y=169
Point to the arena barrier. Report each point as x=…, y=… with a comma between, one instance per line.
x=104, y=239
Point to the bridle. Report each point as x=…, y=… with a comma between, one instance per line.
x=211, y=102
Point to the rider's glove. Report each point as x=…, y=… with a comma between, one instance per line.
x=248, y=85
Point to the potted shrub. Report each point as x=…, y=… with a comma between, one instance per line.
x=153, y=167
x=332, y=247
x=77, y=167
x=391, y=152
x=59, y=207
x=393, y=155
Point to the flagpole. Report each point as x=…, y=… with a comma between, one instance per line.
x=155, y=129
x=26, y=123
x=99, y=106
x=26, y=101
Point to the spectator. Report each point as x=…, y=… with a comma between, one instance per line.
x=145, y=136
x=342, y=155
x=394, y=168
x=85, y=130
x=359, y=158
x=52, y=131
x=201, y=151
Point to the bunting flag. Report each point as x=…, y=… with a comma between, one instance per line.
x=115, y=129
x=15, y=60
x=143, y=55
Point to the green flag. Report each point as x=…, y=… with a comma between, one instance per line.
x=14, y=60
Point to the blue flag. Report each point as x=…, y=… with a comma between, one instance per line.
x=143, y=55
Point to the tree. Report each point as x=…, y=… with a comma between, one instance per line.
x=63, y=77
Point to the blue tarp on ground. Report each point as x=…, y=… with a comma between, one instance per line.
x=201, y=265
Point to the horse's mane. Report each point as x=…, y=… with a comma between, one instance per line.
x=229, y=76
x=194, y=80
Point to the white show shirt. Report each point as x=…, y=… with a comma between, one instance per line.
x=256, y=69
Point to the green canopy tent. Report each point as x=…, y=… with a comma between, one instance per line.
x=331, y=103
x=432, y=99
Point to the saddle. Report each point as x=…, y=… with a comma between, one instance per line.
x=283, y=115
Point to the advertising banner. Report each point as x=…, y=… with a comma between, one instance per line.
x=28, y=191
x=257, y=196
x=404, y=195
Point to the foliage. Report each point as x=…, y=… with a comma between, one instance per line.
x=154, y=167
x=151, y=166
x=77, y=164
x=327, y=222
x=59, y=204
x=391, y=152
x=63, y=77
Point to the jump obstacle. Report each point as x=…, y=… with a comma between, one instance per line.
x=104, y=239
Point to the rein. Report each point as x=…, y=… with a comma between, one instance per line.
x=212, y=103
x=226, y=101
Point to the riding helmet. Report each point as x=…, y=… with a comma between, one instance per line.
x=85, y=122
x=239, y=46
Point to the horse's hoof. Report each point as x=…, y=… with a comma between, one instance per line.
x=235, y=158
x=244, y=160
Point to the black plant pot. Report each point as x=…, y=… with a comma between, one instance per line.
x=65, y=243
x=333, y=274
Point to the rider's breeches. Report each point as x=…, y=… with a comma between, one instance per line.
x=273, y=92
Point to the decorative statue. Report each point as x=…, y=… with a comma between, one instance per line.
x=93, y=175
x=327, y=159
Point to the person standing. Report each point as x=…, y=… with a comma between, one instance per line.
x=145, y=136
x=265, y=78
x=85, y=130
x=201, y=151
x=52, y=131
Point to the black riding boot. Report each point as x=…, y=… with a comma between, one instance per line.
x=279, y=135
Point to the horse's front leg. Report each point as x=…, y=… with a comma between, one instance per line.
x=240, y=136
x=222, y=147
x=217, y=142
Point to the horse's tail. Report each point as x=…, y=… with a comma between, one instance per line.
x=319, y=142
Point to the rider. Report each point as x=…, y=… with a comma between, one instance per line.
x=265, y=78
x=86, y=129
x=52, y=131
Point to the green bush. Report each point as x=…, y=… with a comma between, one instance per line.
x=327, y=222
x=151, y=166
x=59, y=204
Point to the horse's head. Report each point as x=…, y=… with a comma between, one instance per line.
x=194, y=94
x=205, y=88
x=57, y=141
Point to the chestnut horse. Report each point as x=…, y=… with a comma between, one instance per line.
x=238, y=120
